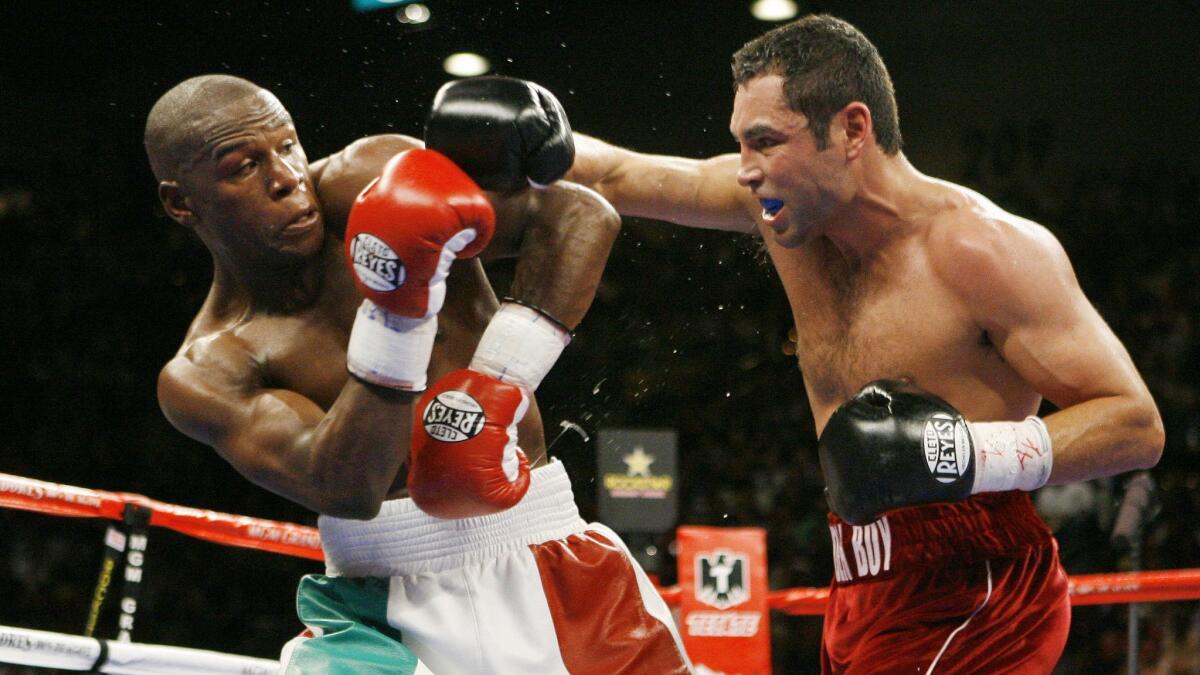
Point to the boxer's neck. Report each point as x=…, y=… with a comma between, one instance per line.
x=888, y=193
x=271, y=288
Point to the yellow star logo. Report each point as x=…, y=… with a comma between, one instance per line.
x=637, y=463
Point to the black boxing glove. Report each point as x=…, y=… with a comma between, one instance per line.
x=503, y=132
x=894, y=445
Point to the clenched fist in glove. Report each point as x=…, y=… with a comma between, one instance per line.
x=505, y=133
x=465, y=460
x=404, y=231
x=894, y=445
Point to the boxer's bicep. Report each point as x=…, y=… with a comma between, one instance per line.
x=1023, y=292
x=262, y=433
x=1020, y=288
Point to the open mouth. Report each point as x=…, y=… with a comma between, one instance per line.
x=771, y=207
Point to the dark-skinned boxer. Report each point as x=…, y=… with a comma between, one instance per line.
x=341, y=291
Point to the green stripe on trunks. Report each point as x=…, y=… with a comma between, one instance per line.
x=357, y=638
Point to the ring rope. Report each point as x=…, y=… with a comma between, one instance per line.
x=28, y=494
x=43, y=649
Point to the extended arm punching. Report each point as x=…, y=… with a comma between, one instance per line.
x=701, y=193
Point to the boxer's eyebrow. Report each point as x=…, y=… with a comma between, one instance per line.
x=222, y=150
x=756, y=131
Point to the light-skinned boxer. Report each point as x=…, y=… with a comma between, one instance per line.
x=930, y=324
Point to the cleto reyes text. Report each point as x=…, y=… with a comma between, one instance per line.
x=451, y=424
x=369, y=255
x=941, y=448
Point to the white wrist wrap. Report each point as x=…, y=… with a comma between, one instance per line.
x=389, y=349
x=1011, y=455
x=520, y=345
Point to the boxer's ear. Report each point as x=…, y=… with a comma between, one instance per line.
x=175, y=203
x=856, y=127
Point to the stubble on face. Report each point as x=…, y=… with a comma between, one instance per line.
x=778, y=150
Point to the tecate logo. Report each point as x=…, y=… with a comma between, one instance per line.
x=453, y=416
x=947, y=447
x=375, y=263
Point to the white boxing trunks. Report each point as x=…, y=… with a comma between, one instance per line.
x=533, y=589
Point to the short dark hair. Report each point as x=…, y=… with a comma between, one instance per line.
x=169, y=135
x=825, y=64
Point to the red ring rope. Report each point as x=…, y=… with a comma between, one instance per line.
x=223, y=528
x=27, y=494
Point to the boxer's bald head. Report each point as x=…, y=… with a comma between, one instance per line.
x=193, y=112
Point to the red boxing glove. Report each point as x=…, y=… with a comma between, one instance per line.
x=408, y=225
x=404, y=231
x=465, y=461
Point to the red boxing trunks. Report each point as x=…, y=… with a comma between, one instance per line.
x=964, y=587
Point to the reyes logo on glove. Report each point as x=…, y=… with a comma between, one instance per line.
x=947, y=447
x=453, y=416
x=376, y=264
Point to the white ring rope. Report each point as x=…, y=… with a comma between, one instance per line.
x=44, y=649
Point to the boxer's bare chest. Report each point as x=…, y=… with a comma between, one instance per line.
x=304, y=354
x=304, y=349
x=895, y=320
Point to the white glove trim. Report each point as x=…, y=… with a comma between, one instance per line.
x=510, y=461
x=1011, y=455
x=437, y=283
x=520, y=345
x=389, y=349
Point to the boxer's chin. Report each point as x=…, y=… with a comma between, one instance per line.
x=303, y=236
x=786, y=232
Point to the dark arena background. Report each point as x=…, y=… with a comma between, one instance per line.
x=1079, y=115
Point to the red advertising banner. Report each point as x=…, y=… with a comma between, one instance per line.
x=723, y=612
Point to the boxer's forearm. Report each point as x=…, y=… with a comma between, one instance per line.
x=595, y=160
x=563, y=252
x=701, y=193
x=1104, y=437
x=355, y=452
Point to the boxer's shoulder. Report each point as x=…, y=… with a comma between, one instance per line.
x=341, y=176
x=227, y=354
x=981, y=250
x=964, y=221
x=210, y=372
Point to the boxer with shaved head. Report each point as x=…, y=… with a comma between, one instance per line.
x=351, y=351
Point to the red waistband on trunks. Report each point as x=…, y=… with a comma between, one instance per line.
x=989, y=525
